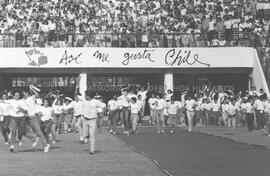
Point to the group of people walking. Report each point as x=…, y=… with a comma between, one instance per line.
x=26, y=114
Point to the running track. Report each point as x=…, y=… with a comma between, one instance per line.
x=197, y=154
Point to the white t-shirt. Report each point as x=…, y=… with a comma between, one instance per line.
x=172, y=107
x=90, y=108
x=57, y=109
x=143, y=94
x=102, y=107
x=5, y=109
x=206, y=106
x=30, y=103
x=232, y=109
x=15, y=106
x=160, y=104
x=190, y=104
x=46, y=113
x=140, y=103
x=249, y=108
x=124, y=100
x=77, y=107
x=259, y=105
x=112, y=105
x=215, y=106
x=151, y=102
x=134, y=108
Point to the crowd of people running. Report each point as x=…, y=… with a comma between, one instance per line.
x=25, y=113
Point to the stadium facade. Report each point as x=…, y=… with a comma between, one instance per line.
x=108, y=69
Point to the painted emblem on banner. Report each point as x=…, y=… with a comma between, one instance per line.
x=36, y=57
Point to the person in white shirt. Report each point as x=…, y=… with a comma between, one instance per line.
x=126, y=99
x=67, y=115
x=190, y=105
x=159, y=108
x=250, y=111
x=151, y=103
x=58, y=113
x=17, y=119
x=31, y=117
x=102, y=109
x=259, y=109
x=90, y=114
x=112, y=111
x=134, y=117
x=143, y=94
x=231, y=112
x=76, y=106
x=215, y=113
x=267, y=114
x=172, y=107
x=224, y=107
x=206, y=107
x=120, y=117
x=140, y=103
x=4, y=119
x=45, y=113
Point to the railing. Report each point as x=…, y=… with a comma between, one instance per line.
x=52, y=39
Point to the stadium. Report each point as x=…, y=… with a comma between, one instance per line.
x=194, y=48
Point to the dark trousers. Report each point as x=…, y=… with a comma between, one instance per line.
x=126, y=117
x=5, y=127
x=113, y=119
x=46, y=129
x=259, y=119
x=250, y=121
x=17, y=123
x=33, y=122
x=214, y=117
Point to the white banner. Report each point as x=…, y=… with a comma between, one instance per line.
x=126, y=57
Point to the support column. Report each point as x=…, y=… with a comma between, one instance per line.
x=83, y=83
x=168, y=81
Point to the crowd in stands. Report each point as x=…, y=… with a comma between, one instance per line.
x=134, y=23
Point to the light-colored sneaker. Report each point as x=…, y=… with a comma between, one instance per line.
x=6, y=143
x=11, y=148
x=9, y=135
x=125, y=132
x=53, y=142
x=85, y=140
x=47, y=148
x=20, y=143
x=36, y=142
x=162, y=131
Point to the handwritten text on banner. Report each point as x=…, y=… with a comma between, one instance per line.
x=126, y=57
